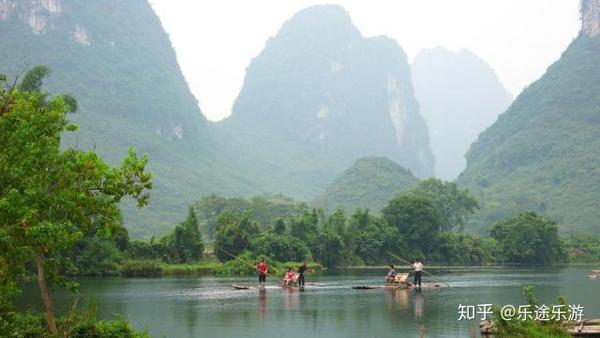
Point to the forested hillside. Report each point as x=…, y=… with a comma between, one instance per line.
x=369, y=183
x=117, y=60
x=543, y=154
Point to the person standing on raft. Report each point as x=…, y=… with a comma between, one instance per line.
x=262, y=272
x=301, y=271
x=418, y=266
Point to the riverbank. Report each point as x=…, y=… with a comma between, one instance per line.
x=150, y=268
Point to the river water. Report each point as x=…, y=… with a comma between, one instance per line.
x=209, y=307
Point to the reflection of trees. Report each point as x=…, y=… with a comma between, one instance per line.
x=191, y=316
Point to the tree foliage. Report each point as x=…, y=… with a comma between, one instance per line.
x=49, y=197
x=417, y=219
x=453, y=204
x=527, y=238
x=233, y=235
x=184, y=244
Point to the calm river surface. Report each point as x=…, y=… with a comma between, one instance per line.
x=208, y=307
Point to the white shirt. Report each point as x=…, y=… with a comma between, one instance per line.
x=418, y=266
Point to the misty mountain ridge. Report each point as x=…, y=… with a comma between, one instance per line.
x=321, y=91
x=460, y=96
x=317, y=98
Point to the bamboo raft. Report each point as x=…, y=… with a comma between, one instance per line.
x=398, y=283
x=594, y=274
x=248, y=287
x=584, y=328
x=404, y=286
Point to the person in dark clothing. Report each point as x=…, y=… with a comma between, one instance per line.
x=301, y=270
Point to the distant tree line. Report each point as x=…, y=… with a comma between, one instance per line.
x=425, y=222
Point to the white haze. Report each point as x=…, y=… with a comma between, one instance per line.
x=215, y=40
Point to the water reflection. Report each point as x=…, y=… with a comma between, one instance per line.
x=419, y=303
x=262, y=303
x=191, y=316
x=398, y=299
x=291, y=298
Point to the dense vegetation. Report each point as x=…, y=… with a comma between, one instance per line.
x=369, y=183
x=51, y=198
x=265, y=209
x=543, y=153
x=424, y=222
x=517, y=327
x=125, y=75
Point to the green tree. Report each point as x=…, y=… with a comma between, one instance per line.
x=233, y=235
x=280, y=228
x=337, y=222
x=417, y=220
x=184, y=244
x=283, y=248
x=306, y=227
x=50, y=197
x=527, y=238
x=454, y=205
x=463, y=249
x=328, y=249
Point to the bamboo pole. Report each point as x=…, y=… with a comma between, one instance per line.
x=246, y=262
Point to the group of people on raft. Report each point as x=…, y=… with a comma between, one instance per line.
x=297, y=278
x=417, y=265
x=290, y=277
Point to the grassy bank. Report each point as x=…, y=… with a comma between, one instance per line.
x=150, y=268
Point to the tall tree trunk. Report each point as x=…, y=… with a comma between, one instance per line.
x=39, y=261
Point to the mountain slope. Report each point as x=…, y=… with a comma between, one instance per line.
x=460, y=96
x=117, y=60
x=369, y=183
x=543, y=153
x=320, y=95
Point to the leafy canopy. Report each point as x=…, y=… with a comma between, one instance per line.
x=50, y=197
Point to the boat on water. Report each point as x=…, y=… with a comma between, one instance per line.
x=403, y=286
x=595, y=274
x=399, y=282
x=249, y=287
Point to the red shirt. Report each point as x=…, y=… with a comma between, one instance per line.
x=262, y=268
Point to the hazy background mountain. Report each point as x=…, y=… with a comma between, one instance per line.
x=368, y=184
x=543, y=154
x=460, y=96
x=320, y=95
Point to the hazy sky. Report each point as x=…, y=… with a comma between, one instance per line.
x=215, y=40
